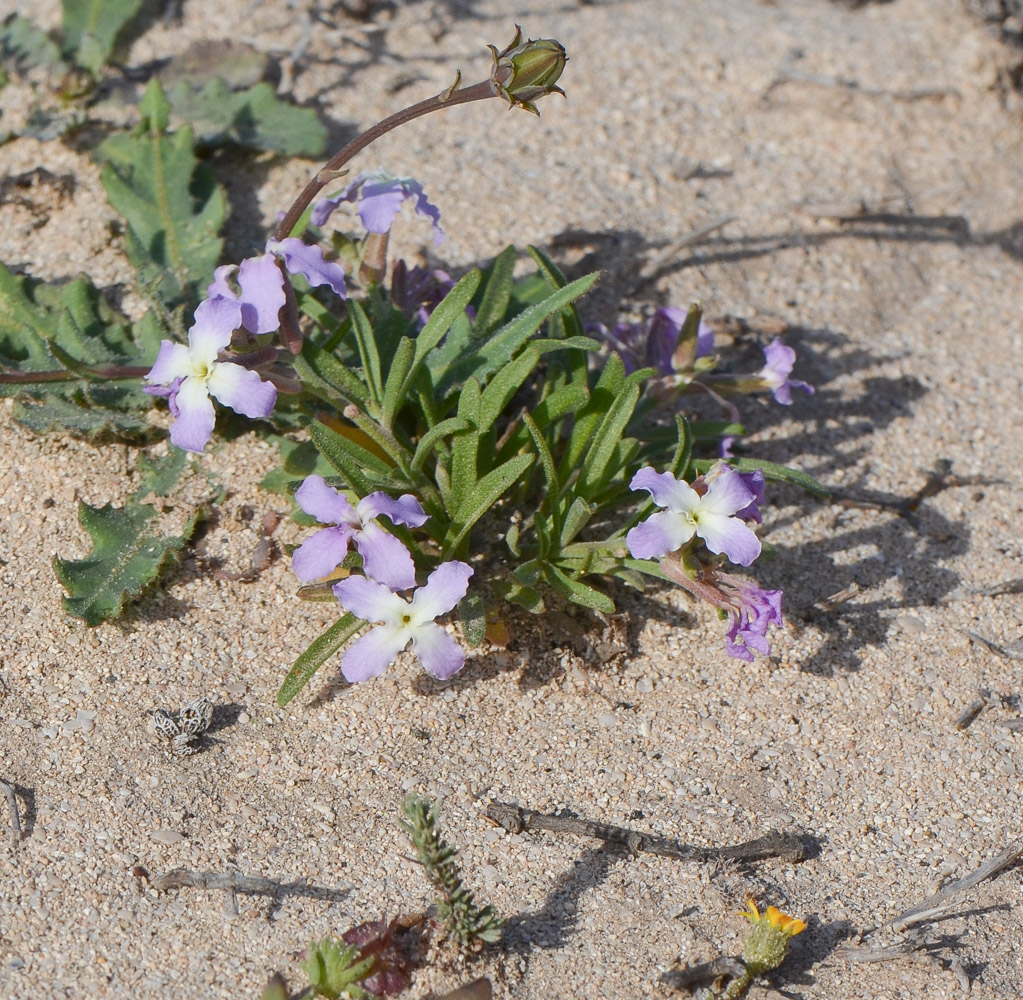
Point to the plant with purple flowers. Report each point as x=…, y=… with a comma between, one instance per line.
x=466, y=430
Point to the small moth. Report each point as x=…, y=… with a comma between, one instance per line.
x=184, y=733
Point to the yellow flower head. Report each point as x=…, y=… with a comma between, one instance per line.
x=774, y=918
x=768, y=941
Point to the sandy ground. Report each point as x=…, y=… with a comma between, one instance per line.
x=906, y=316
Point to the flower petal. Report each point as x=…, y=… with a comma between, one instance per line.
x=439, y=653
x=659, y=534
x=262, y=295
x=666, y=490
x=780, y=359
x=307, y=260
x=171, y=363
x=729, y=535
x=315, y=496
x=727, y=493
x=405, y=510
x=220, y=287
x=194, y=425
x=320, y=554
x=444, y=588
x=379, y=203
x=370, y=600
x=371, y=654
x=385, y=558
x=242, y=389
x=215, y=320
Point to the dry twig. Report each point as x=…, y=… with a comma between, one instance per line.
x=515, y=819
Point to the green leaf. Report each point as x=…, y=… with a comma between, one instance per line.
x=577, y=591
x=773, y=473
x=521, y=594
x=60, y=348
x=396, y=388
x=594, y=472
x=497, y=287
x=481, y=359
x=576, y=519
x=503, y=386
x=609, y=387
x=465, y=446
x=315, y=364
x=23, y=46
x=351, y=460
x=429, y=441
x=316, y=654
x=91, y=28
x=473, y=616
x=550, y=472
x=255, y=118
x=365, y=338
x=298, y=460
x=127, y=555
x=484, y=495
x=173, y=205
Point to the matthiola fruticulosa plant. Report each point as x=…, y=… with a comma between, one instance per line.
x=474, y=440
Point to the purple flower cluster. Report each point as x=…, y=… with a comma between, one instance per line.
x=654, y=342
x=389, y=568
x=250, y=296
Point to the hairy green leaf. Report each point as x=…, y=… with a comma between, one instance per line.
x=255, y=118
x=316, y=654
x=496, y=290
x=173, y=205
x=91, y=28
x=127, y=554
x=23, y=46
x=484, y=495
x=473, y=616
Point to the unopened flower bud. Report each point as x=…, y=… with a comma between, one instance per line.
x=526, y=71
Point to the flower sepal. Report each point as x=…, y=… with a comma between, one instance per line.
x=523, y=72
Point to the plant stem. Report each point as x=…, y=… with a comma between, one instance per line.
x=63, y=375
x=328, y=171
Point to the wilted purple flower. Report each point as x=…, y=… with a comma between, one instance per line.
x=384, y=557
x=380, y=196
x=188, y=375
x=751, y=611
x=775, y=374
x=261, y=283
x=755, y=484
x=417, y=291
x=710, y=515
x=404, y=622
x=652, y=343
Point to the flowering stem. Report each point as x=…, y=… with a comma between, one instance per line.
x=328, y=172
x=62, y=375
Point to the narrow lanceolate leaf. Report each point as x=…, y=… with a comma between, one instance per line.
x=317, y=653
x=483, y=496
x=173, y=205
x=473, y=616
x=128, y=551
x=598, y=465
x=256, y=118
x=577, y=591
x=91, y=28
x=773, y=472
x=479, y=360
x=497, y=288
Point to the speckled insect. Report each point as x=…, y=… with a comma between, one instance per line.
x=184, y=732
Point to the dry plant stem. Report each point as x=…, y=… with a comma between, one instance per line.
x=328, y=172
x=940, y=902
x=12, y=805
x=515, y=819
x=659, y=259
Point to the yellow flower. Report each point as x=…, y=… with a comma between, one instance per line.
x=789, y=926
x=768, y=941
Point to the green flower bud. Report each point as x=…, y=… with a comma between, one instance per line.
x=526, y=71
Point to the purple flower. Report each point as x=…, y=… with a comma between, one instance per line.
x=751, y=611
x=380, y=196
x=417, y=291
x=261, y=283
x=188, y=376
x=711, y=515
x=404, y=622
x=652, y=343
x=755, y=484
x=775, y=374
x=384, y=558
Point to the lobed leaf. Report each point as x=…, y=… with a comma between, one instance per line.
x=127, y=554
x=91, y=28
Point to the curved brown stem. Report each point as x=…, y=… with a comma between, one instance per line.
x=328, y=172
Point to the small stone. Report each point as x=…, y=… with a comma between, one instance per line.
x=167, y=837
